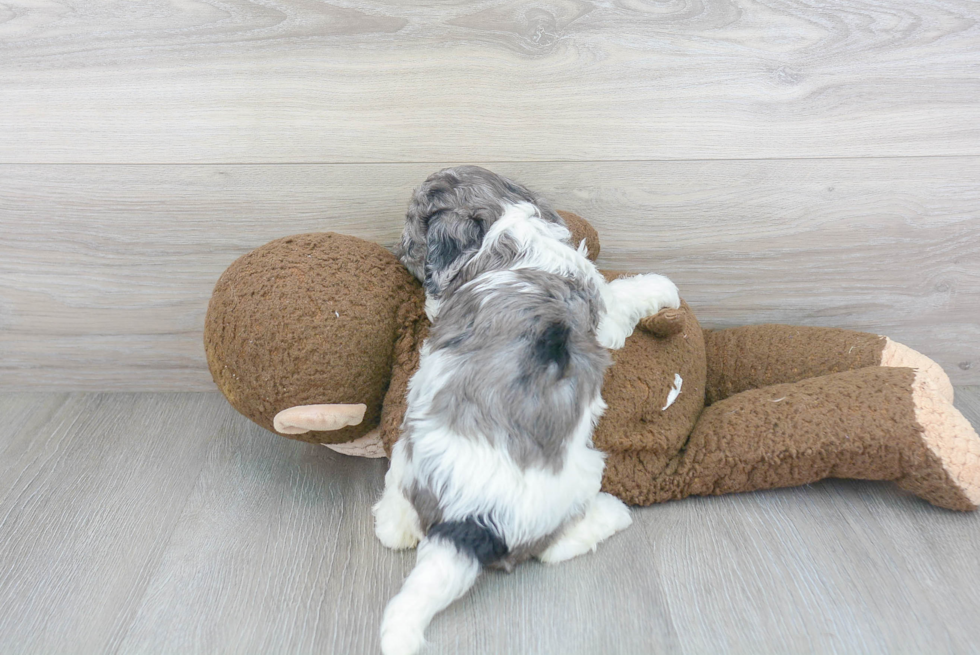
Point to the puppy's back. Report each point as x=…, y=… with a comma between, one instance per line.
x=502, y=408
x=525, y=361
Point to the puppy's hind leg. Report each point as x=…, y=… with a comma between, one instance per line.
x=627, y=300
x=605, y=516
x=443, y=572
x=396, y=523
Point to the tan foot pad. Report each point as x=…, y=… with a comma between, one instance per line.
x=895, y=354
x=949, y=435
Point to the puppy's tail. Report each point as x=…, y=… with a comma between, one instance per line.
x=449, y=560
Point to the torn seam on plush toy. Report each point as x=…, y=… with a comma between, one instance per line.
x=674, y=391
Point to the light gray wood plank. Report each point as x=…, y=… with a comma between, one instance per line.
x=105, y=271
x=835, y=567
x=380, y=81
x=23, y=414
x=271, y=550
x=274, y=553
x=90, y=487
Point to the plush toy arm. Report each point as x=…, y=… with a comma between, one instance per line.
x=321, y=418
x=665, y=323
x=757, y=356
x=875, y=423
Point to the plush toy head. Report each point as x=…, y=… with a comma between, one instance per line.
x=309, y=319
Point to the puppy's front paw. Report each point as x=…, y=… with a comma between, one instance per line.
x=630, y=299
x=611, y=336
x=396, y=522
x=657, y=292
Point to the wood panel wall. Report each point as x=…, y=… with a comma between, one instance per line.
x=813, y=163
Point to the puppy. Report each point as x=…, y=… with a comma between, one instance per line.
x=496, y=462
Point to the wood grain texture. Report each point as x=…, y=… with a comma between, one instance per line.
x=90, y=487
x=105, y=271
x=386, y=81
x=166, y=523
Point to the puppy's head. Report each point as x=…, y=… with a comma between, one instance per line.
x=449, y=215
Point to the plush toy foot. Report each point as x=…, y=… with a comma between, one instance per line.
x=928, y=371
x=952, y=441
x=605, y=516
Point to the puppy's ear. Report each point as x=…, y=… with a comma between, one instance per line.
x=452, y=239
x=430, y=198
x=410, y=251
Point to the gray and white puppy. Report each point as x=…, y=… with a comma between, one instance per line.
x=496, y=462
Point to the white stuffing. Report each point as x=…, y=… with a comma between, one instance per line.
x=674, y=392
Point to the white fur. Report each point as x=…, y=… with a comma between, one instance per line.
x=628, y=299
x=472, y=477
x=396, y=523
x=432, y=307
x=605, y=516
x=441, y=575
x=543, y=245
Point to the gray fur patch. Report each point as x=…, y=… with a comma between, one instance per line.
x=447, y=218
x=426, y=504
x=522, y=552
x=527, y=363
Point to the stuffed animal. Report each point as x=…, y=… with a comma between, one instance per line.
x=316, y=336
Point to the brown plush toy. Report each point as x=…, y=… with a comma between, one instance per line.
x=316, y=336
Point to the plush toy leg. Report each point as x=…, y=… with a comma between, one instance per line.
x=757, y=356
x=875, y=423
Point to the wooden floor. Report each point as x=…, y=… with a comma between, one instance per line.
x=167, y=523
